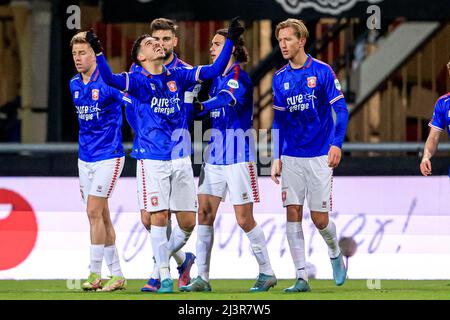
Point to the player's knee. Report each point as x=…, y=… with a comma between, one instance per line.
x=246, y=223
x=159, y=219
x=205, y=216
x=94, y=214
x=188, y=225
x=321, y=223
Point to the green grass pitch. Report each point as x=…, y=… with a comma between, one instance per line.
x=235, y=290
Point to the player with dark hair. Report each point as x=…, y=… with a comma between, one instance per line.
x=164, y=171
x=164, y=31
x=309, y=146
x=230, y=165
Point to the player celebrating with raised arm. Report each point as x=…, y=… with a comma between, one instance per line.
x=439, y=123
x=309, y=144
x=230, y=165
x=164, y=31
x=100, y=161
x=165, y=177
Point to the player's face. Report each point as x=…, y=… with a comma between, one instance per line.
x=167, y=40
x=289, y=44
x=83, y=57
x=217, y=44
x=151, y=50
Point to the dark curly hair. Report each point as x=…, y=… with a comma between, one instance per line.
x=240, y=52
x=136, y=47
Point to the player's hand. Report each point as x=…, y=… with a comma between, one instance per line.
x=276, y=170
x=94, y=41
x=425, y=167
x=334, y=156
x=198, y=108
x=235, y=30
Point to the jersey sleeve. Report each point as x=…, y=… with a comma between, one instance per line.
x=332, y=86
x=115, y=94
x=438, y=119
x=187, y=76
x=71, y=89
x=278, y=101
x=130, y=110
x=236, y=87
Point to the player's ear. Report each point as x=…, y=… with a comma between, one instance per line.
x=175, y=41
x=140, y=57
x=302, y=42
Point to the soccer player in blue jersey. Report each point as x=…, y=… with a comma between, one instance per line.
x=165, y=177
x=439, y=122
x=101, y=159
x=164, y=31
x=309, y=146
x=230, y=165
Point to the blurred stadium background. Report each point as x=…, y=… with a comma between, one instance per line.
x=391, y=75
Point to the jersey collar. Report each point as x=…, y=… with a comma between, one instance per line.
x=305, y=66
x=173, y=63
x=148, y=74
x=94, y=76
x=232, y=67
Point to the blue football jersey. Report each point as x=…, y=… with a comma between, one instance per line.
x=189, y=95
x=306, y=95
x=100, y=118
x=441, y=114
x=186, y=107
x=159, y=114
x=232, y=139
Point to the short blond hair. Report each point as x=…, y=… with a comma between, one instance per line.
x=80, y=37
x=298, y=25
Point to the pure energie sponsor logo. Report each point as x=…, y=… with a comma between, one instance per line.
x=300, y=102
x=88, y=113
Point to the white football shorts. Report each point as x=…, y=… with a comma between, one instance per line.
x=306, y=177
x=166, y=185
x=99, y=178
x=239, y=179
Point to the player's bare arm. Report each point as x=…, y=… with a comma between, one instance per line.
x=429, y=150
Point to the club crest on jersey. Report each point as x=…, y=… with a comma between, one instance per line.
x=76, y=94
x=311, y=82
x=153, y=86
x=286, y=86
x=154, y=201
x=95, y=94
x=172, y=86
